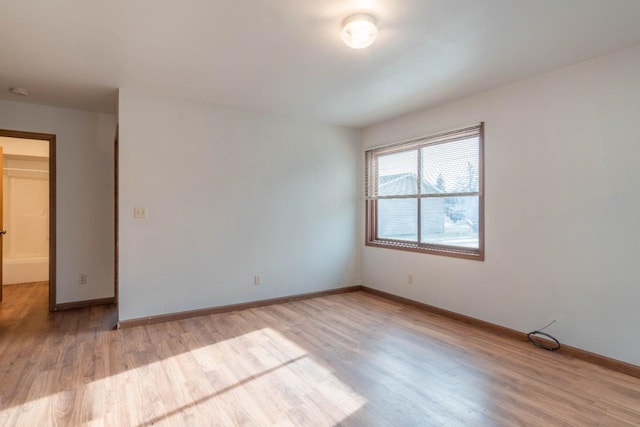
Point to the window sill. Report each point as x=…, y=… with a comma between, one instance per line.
x=428, y=249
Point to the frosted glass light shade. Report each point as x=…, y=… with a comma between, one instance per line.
x=359, y=31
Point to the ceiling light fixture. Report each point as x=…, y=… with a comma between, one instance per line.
x=19, y=91
x=359, y=30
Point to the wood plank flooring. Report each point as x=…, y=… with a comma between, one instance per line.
x=352, y=359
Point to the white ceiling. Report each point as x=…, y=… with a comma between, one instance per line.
x=286, y=56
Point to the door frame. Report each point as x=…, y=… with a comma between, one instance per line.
x=52, y=202
x=116, y=183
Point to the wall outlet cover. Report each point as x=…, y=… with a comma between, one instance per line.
x=139, y=213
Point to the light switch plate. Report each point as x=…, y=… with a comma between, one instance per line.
x=139, y=213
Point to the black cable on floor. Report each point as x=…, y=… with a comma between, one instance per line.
x=535, y=339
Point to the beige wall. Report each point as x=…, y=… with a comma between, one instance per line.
x=26, y=219
x=25, y=147
x=26, y=209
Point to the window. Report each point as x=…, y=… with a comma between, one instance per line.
x=426, y=195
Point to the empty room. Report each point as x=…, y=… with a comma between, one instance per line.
x=320, y=213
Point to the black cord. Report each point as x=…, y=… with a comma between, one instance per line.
x=531, y=336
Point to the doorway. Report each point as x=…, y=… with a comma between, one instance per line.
x=29, y=165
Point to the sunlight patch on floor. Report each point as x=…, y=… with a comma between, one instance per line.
x=258, y=378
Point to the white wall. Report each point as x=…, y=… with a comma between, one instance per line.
x=562, y=158
x=84, y=193
x=25, y=209
x=231, y=194
x=25, y=206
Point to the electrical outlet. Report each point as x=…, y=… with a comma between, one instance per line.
x=257, y=280
x=83, y=279
x=139, y=213
x=410, y=279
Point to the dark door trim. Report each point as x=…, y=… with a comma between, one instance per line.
x=52, y=203
x=116, y=163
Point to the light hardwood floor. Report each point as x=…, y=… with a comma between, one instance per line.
x=349, y=359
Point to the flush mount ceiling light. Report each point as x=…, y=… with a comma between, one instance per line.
x=19, y=91
x=359, y=30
